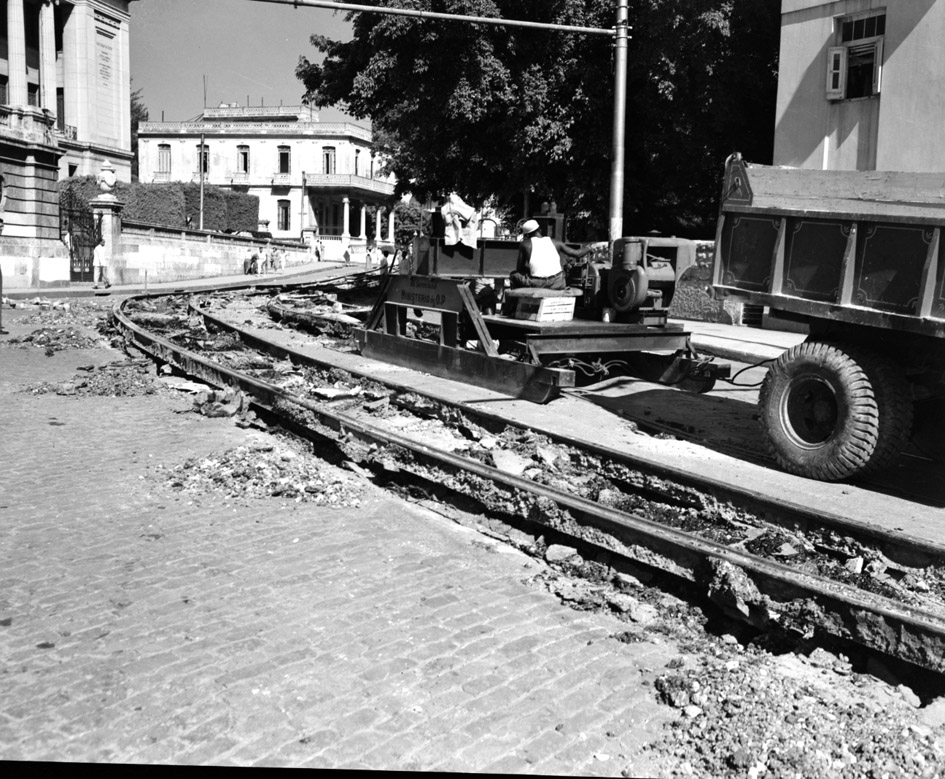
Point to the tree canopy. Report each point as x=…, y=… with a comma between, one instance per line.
x=497, y=111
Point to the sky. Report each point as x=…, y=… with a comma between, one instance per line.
x=245, y=49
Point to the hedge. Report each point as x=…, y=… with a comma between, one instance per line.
x=169, y=205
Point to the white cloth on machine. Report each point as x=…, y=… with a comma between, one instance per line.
x=461, y=220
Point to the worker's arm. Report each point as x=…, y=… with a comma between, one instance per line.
x=524, y=255
x=568, y=251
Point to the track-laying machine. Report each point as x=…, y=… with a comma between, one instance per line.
x=450, y=312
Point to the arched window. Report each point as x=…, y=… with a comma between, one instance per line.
x=164, y=158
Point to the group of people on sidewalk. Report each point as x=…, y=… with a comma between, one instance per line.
x=268, y=260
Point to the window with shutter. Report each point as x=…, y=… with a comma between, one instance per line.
x=836, y=72
x=855, y=67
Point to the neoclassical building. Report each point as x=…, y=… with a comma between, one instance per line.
x=65, y=103
x=308, y=175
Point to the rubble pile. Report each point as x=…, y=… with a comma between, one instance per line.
x=747, y=713
x=117, y=379
x=62, y=325
x=56, y=339
x=278, y=470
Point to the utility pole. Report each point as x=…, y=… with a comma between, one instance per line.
x=620, y=121
x=202, y=156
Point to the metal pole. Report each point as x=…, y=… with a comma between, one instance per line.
x=434, y=15
x=2, y=331
x=620, y=119
x=200, y=163
x=302, y=224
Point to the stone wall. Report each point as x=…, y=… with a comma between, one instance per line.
x=155, y=254
x=33, y=262
x=177, y=255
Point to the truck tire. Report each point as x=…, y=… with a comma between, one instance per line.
x=831, y=411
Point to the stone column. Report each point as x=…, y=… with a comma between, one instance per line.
x=377, y=224
x=16, y=54
x=47, y=57
x=346, y=228
x=390, y=226
x=363, y=233
x=106, y=210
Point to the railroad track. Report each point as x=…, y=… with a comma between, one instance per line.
x=776, y=566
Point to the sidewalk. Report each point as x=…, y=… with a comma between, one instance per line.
x=294, y=273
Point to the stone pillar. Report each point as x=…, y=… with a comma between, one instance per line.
x=379, y=215
x=16, y=54
x=390, y=226
x=106, y=209
x=346, y=224
x=47, y=57
x=363, y=233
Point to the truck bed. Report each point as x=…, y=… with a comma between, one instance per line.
x=863, y=247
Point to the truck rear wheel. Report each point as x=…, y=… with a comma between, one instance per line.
x=832, y=411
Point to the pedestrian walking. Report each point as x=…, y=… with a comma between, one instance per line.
x=99, y=266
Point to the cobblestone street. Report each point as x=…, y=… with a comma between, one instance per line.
x=141, y=624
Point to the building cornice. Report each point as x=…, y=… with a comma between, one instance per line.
x=237, y=129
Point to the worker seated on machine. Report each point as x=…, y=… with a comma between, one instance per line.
x=539, y=260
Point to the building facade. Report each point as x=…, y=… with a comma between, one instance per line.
x=861, y=85
x=65, y=103
x=309, y=176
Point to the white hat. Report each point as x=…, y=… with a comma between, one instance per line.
x=529, y=227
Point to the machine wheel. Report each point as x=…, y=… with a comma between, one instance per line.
x=831, y=411
x=626, y=288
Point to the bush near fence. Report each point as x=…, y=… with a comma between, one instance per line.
x=170, y=204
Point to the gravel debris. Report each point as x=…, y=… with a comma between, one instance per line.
x=118, y=379
x=766, y=716
x=281, y=470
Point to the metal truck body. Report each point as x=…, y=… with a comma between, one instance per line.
x=855, y=257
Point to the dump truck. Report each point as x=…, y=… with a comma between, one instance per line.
x=855, y=260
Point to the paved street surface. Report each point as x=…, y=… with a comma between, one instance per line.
x=139, y=624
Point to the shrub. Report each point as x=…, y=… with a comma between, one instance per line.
x=169, y=205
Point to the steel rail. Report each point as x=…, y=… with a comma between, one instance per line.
x=784, y=513
x=911, y=634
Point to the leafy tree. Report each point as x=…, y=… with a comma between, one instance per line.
x=409, y=220
x=503, y=111
x=139, y=113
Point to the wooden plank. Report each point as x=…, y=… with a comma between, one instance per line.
x=475, y=316
x=878, y=186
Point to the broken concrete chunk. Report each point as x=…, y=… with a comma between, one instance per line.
x=510, y=462
x=557, y=553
